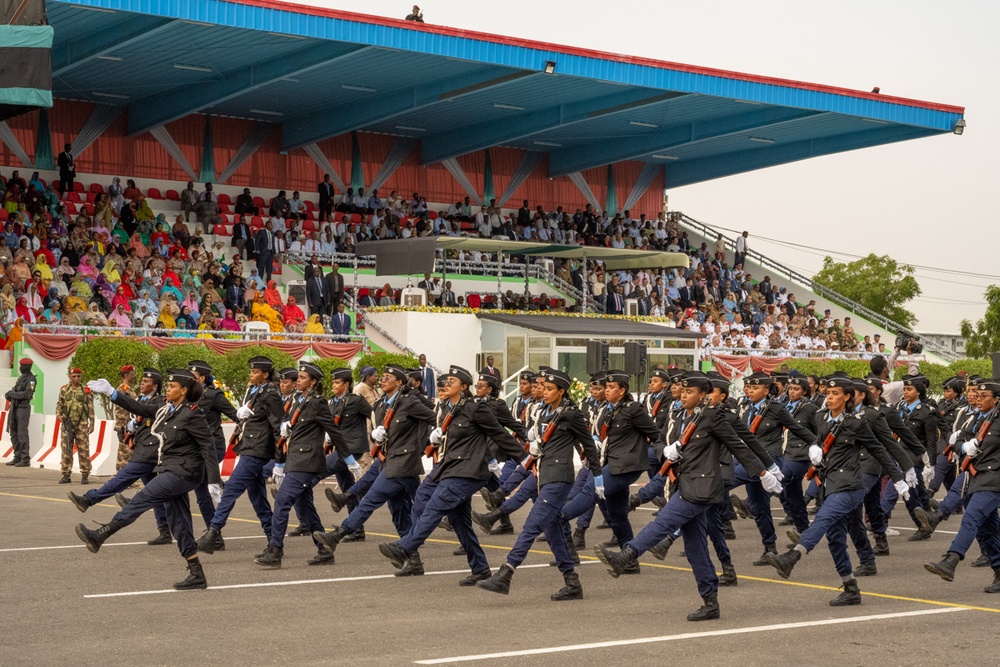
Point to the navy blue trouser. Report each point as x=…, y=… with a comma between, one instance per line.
x=295, y=490
x=794, y=502
x=616, y=493
x=980, y=521
x=248, y=476
x=831, y=520
x=452, y=497
x=692, y=521
x=171, y=491
x=856, y=524
x=544, y=517
x=759, y=501
x=397, y=492
x=124, y=478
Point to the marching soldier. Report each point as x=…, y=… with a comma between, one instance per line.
x=20, y=398
x=75, y=410
x=122, y=417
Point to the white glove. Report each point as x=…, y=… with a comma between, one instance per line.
x=244, y=412
x=278, y=473
x=379, y=434
x=925, y=459
x=599, y=486
x=532, y=436
x=770, y=483
x=215, y=490
x=672, y=451
x=928, y=475
x=101, y=386
x=911, y=477
x=132, y=425
x=776, y=471
x=437, y=436
x=954, y=438
x=286, y=429
x=815, y=454
x=902, y=489
x=534, y=449
x=971, y=447
x=356, y=470
x=494, y=467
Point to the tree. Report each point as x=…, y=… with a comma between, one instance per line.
x=983, y=339
x=877, y=283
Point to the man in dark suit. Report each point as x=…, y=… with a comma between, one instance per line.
x=316, y=293
x=426, y=376
x=335, y=290
x=340, y=323
x=241, y=238
x=325, y=196
x=264, y=247
x=67, y=170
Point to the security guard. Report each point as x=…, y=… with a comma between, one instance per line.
x=143, y=453
x=256, y=435
x=840, y=469
x=75, y=411
x=127, y=386
x=304, y=454
x=20, y=397
x=185, y=458
x=554, y=441
x=696, y=464
x=465, y=441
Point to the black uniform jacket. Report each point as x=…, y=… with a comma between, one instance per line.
x=804, y=413
x=630, y=431
x=406, y=433
x=570, y=433
x=306, y=443
x=354, y=412
x=186, y=448
x=261, y=430
x=467, y=444
x=841, y=468
x=145, y=446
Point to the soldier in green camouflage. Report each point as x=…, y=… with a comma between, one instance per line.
x=75, y=411
x=122, y=415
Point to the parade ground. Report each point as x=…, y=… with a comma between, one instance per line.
x=63, y=605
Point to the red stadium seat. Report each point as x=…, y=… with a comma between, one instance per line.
x=173, y=195
x=95, y=188
x=154, y=193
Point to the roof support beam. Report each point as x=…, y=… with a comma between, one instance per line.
x=337, y=120
x=107, y=42
x=705, y=169
x=478, y=136
x=162, y=108
x=598, y=154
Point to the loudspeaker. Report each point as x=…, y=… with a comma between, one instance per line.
x=597, y=357
x=635, y=359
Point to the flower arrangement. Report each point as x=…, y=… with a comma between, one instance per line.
x=578, y=391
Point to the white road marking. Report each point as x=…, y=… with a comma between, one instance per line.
x=111, y=544
x=300, y=582
x=686, y=635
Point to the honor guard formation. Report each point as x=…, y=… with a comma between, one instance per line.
x=853, y=446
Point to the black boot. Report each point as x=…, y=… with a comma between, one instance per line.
x=768, y=549
x=122, y=500
x=271, y=557
x=499, y=582
x=95, y=538
x=580, y=538
x=81, y=502
x=338, y=501
x=505, y=527
x=982, y=561
x=356, y=536
x=394, y=553
x=850, y=596
x=634, y=501
x=571, y=591
x=65, y=479
x=475, y=577
x=946, y=567
x=330, y=540
x=729, y=531
x=866, y=570
x=195, y=579
x=618, y=562
x=928, y=520
x=206, y=543
x=660, y=550
x=783, y=563
x=995, y=586
x=881, y=546
x=414, y=566
x=162, y=538
x=486, y=521
x=728, y=577
x=740, y=507
x=708, y=611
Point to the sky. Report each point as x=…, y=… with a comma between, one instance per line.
x=930, y=203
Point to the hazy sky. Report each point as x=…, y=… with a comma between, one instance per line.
x=927, y=202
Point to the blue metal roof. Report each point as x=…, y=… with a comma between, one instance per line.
x=321, y=73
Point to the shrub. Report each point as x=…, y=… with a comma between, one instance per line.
x=379, y=360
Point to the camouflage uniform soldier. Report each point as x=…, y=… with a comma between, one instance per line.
x=122, y=415
x=75, y=409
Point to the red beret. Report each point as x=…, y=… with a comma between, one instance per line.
x=75, y=371
x=25, y=361
x=126, y=369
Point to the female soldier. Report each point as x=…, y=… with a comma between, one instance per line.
x=843, y=434
x=554, y=439
x=465, y=464
x=185, y=458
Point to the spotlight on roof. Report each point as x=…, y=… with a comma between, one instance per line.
x=959, y=126
x=550, y=66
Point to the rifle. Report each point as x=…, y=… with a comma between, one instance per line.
x=281, y=445
x=828, y=441
x=377, y=447
x=967, y=465
x=431, y=450
x=529, y=465
x=667, y=467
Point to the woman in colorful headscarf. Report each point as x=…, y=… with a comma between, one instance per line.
x=292, y=313
x=272, y=296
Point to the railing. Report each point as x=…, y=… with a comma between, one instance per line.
x=710, y=234
x=86, y=331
